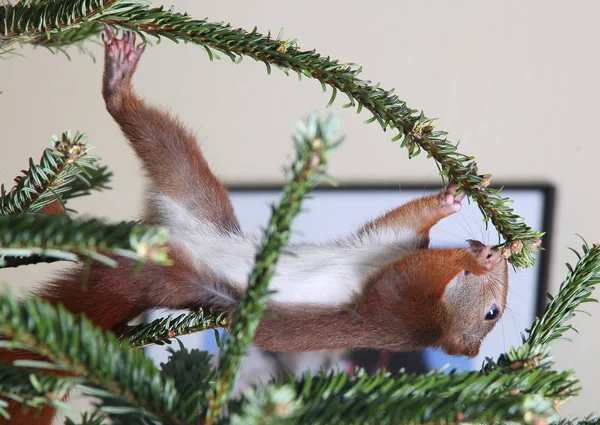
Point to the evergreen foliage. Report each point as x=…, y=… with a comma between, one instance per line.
x=66, y=171
x=520, y=386
x=60, y=237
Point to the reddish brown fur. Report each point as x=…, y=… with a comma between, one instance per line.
x=168, y=151
x=401, y=307
x=419, y=215
x=55, y=207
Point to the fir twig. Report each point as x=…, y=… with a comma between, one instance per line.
x=313, y=142
x=65, y=171
x=193, y=373
x=87, y=418
x=96, y=180
x=41, y=22
x=124, y=379
x=161, y=331
x=435, y=397
x=415, y=130
x=58, y=237
x=574, y=291
x=32, y=388
x=586, y=421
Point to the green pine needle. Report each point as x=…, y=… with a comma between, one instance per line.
x=109, y=370
x=416, y=131
x=435, y=397
x=162, y=331
x=97, y=179
x=66, y=171
x=33, y=389
x=93, y=418
x=586, y=421
x=574, y=291
x=59, y=237
x=313, y=141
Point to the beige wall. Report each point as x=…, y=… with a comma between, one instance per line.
x=517, y=82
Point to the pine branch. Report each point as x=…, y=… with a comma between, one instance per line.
x=94, y=418
x=574, y=291
x=34, y=21
x=193, y=373
x=161, y=331
x=504, y=395
x=32, y=388
x=414, y=129
x=58, y=237
x=97, y=179
x=586, y=421
x=124, y=379
x=65, y=171
x=313, y=142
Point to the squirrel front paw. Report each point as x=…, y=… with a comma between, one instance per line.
x=450, y=200
x=120, y=59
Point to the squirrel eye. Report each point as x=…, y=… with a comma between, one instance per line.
x=492, y=313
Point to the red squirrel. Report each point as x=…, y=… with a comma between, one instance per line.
x=381, y=287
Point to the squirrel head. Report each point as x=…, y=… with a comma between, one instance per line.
x=475, y=303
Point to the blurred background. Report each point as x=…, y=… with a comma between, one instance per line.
x=516, y=82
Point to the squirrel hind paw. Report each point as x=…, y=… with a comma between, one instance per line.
x=121, y=58
x=122, y=52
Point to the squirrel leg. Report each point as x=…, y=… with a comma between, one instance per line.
x=421, y=214
x=169, y=152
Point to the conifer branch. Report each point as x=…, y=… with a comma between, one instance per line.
x=124, y=379
x=58, y=237
x=23, y=23
x=193, y=374
x=574, y=291
x=97, y=179
x=41, y=22
x=586, y=421
x=161, y=331
x=65, y=171
x=313, y=141
x=93, y=418
x=503, y=395
x=33, y=388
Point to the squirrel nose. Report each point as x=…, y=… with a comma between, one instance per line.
x=490, y=256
